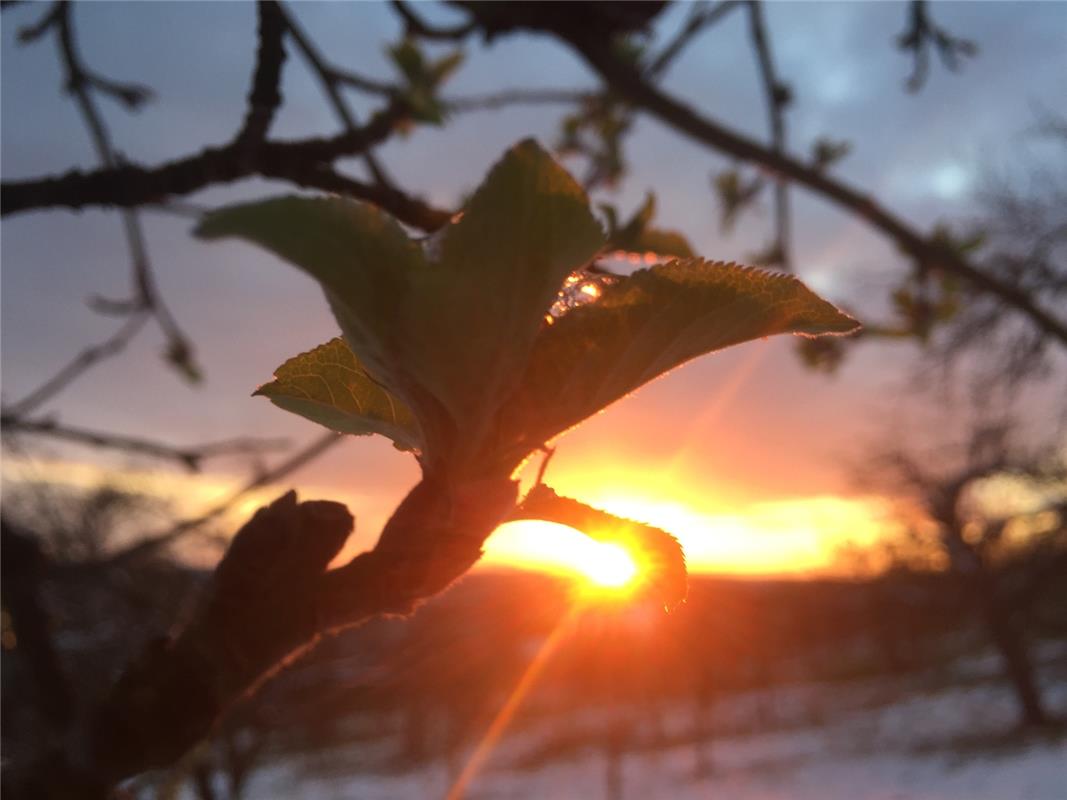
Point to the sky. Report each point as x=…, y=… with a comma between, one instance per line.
x=745, y=455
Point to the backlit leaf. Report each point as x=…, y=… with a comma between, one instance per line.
x=645, y=325
x=329, y=386
x=473, y=318
x=359, y=254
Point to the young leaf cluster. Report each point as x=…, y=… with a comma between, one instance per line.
x=449, y=349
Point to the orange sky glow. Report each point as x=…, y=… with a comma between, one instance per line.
x=795, y=536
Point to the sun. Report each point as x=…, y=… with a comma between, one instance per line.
x=608, y=566
x=607, y=569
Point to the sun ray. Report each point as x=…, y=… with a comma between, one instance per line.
x=717, y=403
x=507, y=711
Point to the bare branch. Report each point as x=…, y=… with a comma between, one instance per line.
x=331, y=79
x=80, y=83
x=701, y=18
x=404, y=207
x=86, y=359
x=923, y=33
x=510, y=97
x=265, y=95
x=128, y=185
x=190, y=457
x=630, y=85
x=777, y=96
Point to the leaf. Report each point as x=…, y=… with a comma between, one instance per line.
x=329, y=386
x=452, y=337
x=645, y=325
x=735, y=195
x=360, y=255
x=638, y=235
x=473, y=318
x=423, y=78
x=826, y=151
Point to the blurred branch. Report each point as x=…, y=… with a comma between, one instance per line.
x=82, y=362
x=80, y=83
x=416, y=26
x=628, y=83
x=265, y=96
x=510, y=97
x=301, y=161
x=403, y=207
x=778, y=96
x=701, y=17
x=190, y=456
x=923, y=33
x=331, y=80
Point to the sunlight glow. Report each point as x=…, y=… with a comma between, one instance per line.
x=610, y=566
x=801, y=535
x=603, y=567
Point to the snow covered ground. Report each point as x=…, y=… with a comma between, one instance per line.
x=882, y=741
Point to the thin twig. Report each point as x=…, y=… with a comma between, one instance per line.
x=512, y=97
x=190, y=457
x=265, y=95
x=777, y=96
x=86, y=359
x=629, y=84
x=79, y=84
x=700, y=18
x=331, y=79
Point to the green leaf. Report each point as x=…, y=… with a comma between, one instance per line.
x=735, y=195
x=638, y=235
x=360, y=255
x=473, y=318
x=443, y=68
x=409, y=61
x=423, y=78
x=450, y=336
x=826, y=152
x=645, y=325
x=329, y=386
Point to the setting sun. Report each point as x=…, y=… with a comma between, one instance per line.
x=609, y=566
x=559, y=549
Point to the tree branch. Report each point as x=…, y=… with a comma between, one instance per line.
x=331, y=79
x=82, y=362
x=700, y=18
x=190, y=457
x=510, y=97
x=627, y=83
x=300, y=161
x=777, y=96
x=265, y=96
x=79, y=83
